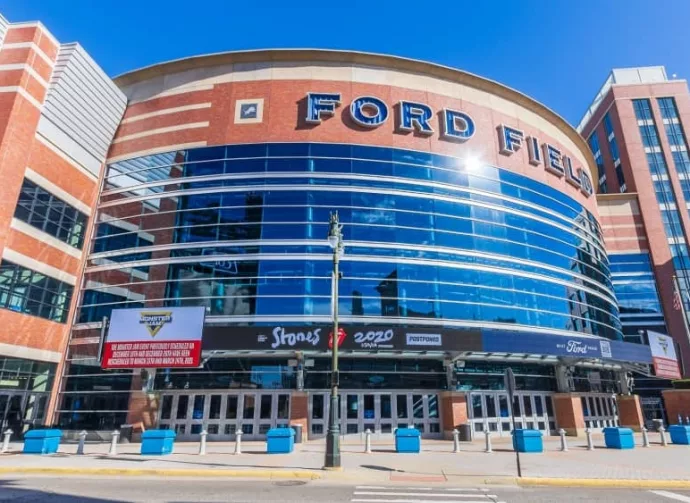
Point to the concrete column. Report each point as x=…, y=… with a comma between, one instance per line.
x=569, y=415
x=299, y=412
x=676, y=401
x=453, y=412
x=563, y=378
x=630, y=412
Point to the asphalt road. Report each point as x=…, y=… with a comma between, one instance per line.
x=160, y=490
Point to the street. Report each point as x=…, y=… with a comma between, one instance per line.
x=166, y=490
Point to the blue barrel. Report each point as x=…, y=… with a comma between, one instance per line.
x=528, y=441
x=280, y=441
x=408, y=440
x=680, y=434
x=157, y=442
x=619, y=438
x=42, y=441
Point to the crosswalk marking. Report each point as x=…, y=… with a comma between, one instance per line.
x=394, y=493
x=416, y=500
x=398, y=494
x=672, y=496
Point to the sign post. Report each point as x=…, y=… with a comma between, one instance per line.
x=509, y=380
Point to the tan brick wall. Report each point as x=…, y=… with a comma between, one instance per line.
x=569, y=414
x=630, y=412
x=676, y=401
x=453, y=411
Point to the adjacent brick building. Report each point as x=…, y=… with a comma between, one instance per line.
x=58, y=113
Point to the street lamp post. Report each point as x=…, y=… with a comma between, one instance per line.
x=335, y=240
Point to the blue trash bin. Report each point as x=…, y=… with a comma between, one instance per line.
x=408, y=440
x=680, y=434
x=157, y=442
x=42, y=441
x=280, y=441
x=528, y=441
x=619, y=438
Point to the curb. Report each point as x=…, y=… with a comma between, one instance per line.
x=598, y=483
x=165, y=472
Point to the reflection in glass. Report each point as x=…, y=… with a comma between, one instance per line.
x=401, y=406
x=352, y=406
x=385, y=407
x=182, y=403
x=317, y=406
x=417, y=406
x=248, y=412
x=214, y=407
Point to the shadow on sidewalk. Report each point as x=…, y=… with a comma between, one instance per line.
x=381, y=468
x=197, y=463
x=9, y=490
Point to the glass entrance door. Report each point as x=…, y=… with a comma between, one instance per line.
x=491, y=411
x=223, y=414
x=377, y=411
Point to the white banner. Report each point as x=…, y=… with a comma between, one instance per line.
x=664, y=355
x=156, y=324
x=662, y=345
x=154, y=338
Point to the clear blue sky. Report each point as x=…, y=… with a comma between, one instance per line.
x=557, y=51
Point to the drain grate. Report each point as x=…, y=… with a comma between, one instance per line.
x=287, y=483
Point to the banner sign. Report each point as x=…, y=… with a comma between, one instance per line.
x=319, y=337
x=167, y=337
x=350, y=338
x=499, y=341
x=664, y=355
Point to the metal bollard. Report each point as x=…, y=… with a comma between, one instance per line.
x=590, y=442
x=662, y=432
x=82, y=441
x=367, y=441
x=487, y=434
x=6, y=440
x=202, y=443
x=238, y=442
x=456, y=441
x=113, y=443
x=564, y=443
x=645, y=437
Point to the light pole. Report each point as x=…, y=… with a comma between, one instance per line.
x=335, y=240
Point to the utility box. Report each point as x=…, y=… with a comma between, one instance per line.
x=528, y=441
x=280, y=441
x=42, y=441
x=408, y=440
x=619, y=438
x=298, y=432
x=157, y=442
x=680, y=434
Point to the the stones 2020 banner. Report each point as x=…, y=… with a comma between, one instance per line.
x=156, y=337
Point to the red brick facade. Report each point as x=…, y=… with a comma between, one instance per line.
x=618, y=103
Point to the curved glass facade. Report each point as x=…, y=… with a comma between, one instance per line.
x=241, y=229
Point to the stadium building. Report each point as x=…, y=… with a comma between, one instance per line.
x=472, y=241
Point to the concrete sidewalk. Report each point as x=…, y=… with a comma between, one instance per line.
x=436, y=463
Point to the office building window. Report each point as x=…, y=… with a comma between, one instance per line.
x=596, y=152
x=615, y=153
x=31, y=292
x=608, y=126
x=643, y=111
x=619, y=176
x=41, y=209
x=668, y=108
